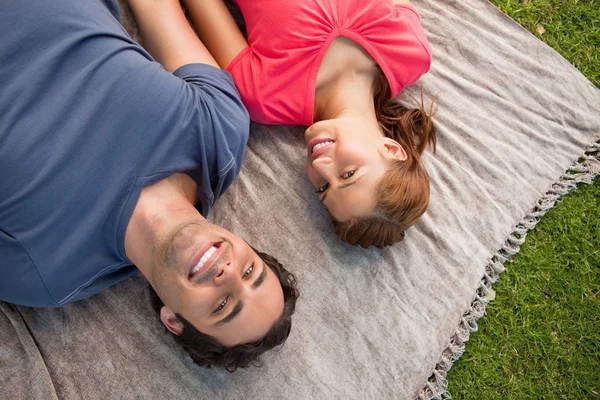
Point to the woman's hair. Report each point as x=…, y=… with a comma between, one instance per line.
x=207, y=351
x=403, y=191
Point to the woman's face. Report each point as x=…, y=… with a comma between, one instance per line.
x=346, y=158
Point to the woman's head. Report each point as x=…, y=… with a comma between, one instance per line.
x=368, y=171
x=347, y=157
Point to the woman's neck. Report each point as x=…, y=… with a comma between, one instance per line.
x=351, y=92
x=346, y=82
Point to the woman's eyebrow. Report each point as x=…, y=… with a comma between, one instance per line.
x=324, y=197
x=345, y=185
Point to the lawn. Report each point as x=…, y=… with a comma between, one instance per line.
x=540, y=338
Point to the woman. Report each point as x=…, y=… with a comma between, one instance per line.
x=333, y=65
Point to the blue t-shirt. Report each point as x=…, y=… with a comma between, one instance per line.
x=87, y=119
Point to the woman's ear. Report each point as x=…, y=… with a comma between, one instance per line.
x=393, y=150
x=169, y=319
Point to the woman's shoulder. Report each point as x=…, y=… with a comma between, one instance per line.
x=399, y=45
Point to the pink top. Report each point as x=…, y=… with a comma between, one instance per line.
x=277, y=74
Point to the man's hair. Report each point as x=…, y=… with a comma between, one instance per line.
x=207, y=351
x=403, y=191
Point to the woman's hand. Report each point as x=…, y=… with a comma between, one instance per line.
x=167, y=35
x=217, y=29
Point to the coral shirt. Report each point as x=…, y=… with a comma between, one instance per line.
x=276, y=75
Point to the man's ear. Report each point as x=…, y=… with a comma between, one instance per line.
x=393, y=150
x=170, y=320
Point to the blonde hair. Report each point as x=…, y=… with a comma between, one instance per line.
x=403, y=191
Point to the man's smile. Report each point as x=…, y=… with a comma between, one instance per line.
x=204, y=258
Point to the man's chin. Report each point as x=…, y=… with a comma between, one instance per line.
x=184, y=243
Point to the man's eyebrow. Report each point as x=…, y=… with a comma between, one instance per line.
x=261, y=278
x=236, y=310
x=238, y=307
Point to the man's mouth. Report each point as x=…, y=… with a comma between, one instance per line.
x=203, y=259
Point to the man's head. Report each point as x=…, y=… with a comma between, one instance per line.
x=207, y=350
x=208, y=279
x=224, y=302
x=215, y=281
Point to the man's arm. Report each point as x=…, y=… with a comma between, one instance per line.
x=217, y=29
x=167, y=35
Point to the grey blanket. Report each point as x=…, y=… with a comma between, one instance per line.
x=513, y=116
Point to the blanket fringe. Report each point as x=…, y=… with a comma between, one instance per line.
x=584, y=170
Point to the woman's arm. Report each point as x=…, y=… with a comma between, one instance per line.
x=217, y=29
x=402, y=2
x=167, y=35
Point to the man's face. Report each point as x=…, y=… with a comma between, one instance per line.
x=215, y=281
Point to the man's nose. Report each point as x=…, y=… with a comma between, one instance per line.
x=225, y=274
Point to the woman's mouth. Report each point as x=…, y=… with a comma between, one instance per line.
x=318, y=145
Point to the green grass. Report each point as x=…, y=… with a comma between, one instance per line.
x=572, y=27
x=540, y=338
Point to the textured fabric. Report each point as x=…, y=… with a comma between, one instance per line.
x=370, y=324
x=88, y=119
x=24, y=375
x=277, y=74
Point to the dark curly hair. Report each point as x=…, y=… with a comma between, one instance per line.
x=207, y=351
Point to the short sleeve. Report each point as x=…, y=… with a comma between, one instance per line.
x=413, y=19
x=400, y=47
x=224, y=125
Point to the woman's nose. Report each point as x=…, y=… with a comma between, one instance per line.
x=323, y=165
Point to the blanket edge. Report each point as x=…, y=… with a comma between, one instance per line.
x=584, y=170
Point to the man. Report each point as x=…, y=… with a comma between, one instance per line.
x=104, y=156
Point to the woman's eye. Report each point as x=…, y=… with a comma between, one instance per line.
x=221, y=306
x=248, y=272
x=348, y=174
x=323, y=188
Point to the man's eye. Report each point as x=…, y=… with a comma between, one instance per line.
x=248, y=272
x=221, y=306
x=348, y=174
x=323, y=188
